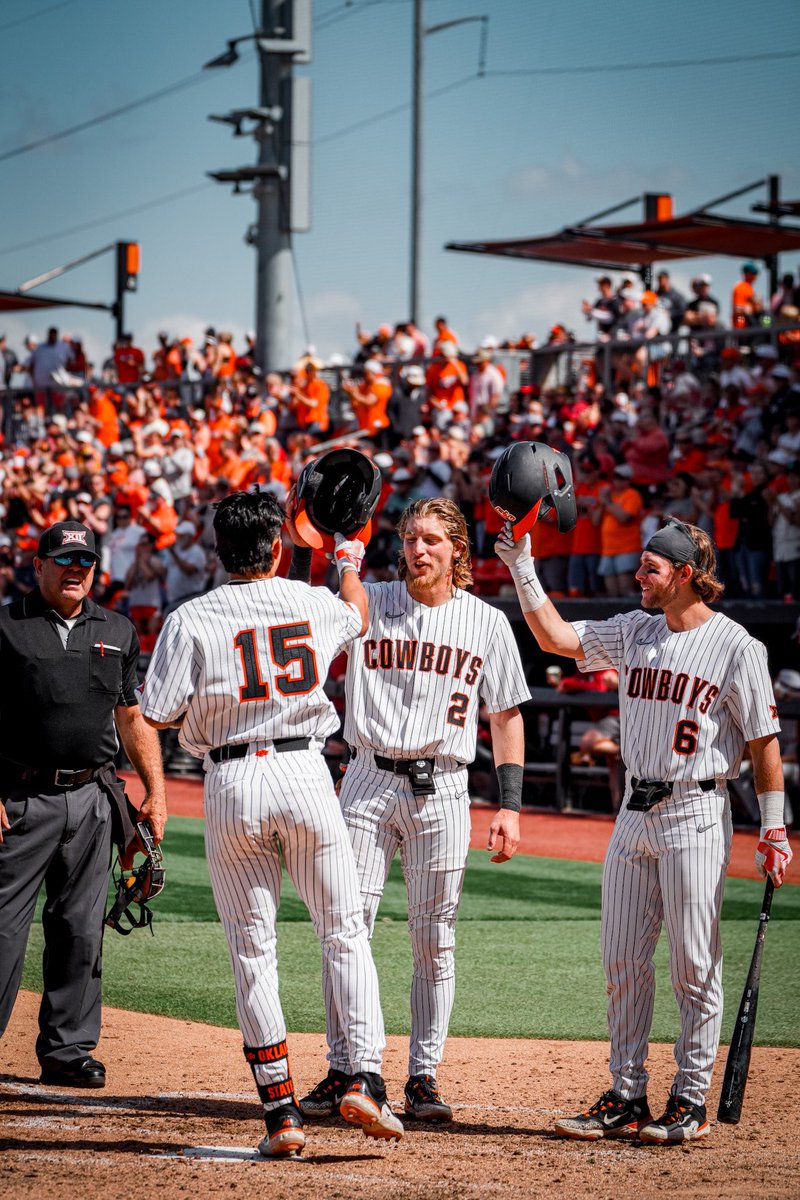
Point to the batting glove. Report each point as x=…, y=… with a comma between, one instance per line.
x=348, y=555
x=517, y=557
x=513, y=554
x=773, y=854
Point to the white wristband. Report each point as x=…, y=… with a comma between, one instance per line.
x=771, y=806
x=529, y=590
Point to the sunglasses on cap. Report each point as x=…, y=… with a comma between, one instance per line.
x=72, y=560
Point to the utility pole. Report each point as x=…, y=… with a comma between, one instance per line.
x=279, y=181
x=273, y=323
x=416, y=158
x=420, y=33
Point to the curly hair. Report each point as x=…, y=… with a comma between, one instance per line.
x=454, y=525
x=704, y=578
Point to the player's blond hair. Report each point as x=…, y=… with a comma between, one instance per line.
x=454, y=525
x=704, y=578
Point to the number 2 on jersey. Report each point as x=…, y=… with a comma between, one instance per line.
x=288, y=644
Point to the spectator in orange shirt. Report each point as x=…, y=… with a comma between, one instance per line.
x=225, y=362
x=447, y=378
x=620, y=536
x=551, y=550
x=128, y=360
x=746, y=306
x=443, y=334
x=370, y=400
x=583, y=579
x=688, y=457
x=105, y=413
x=157, y=516
x=310, y=397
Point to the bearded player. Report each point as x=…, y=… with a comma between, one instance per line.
x=694, y=692
x=431, y=656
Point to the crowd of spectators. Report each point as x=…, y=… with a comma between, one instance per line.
x=140, y=446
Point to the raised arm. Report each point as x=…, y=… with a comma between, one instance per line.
x=552, y=632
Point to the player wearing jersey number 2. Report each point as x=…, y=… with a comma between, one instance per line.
x=694, y=690
x=240, y=671
x=431, y=655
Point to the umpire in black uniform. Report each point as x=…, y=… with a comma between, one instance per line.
x=67, y=688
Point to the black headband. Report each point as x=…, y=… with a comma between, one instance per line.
x=675, y=543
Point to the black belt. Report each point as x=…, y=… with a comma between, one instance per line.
x=705, y=785
x=58, y=777
x=404, y=766
x=241, y=749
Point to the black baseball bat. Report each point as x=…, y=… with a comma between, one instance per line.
x=738, y=1062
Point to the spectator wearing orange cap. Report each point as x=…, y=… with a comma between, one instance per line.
x=370, y=400
x=310, y=397
x=650, y=321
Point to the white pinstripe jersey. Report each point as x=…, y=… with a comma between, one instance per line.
x=247, y=662
x=417, y=677
x=688, y=701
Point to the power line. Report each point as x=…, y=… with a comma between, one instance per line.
x=118, y=216
x=398, y=108
x=189, y=81
x=32, y=16
x=663, y=65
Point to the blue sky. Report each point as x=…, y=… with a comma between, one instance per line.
x=504, y=156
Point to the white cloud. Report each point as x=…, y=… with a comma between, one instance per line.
x=571, y=177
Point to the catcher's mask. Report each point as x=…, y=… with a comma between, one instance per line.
x=136, y=886
x=336, y=493
x=528, y=480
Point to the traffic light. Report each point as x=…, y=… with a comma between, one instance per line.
x=128, y=262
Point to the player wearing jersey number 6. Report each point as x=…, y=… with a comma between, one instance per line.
x=694, y=691
x=240, y=671
x=431, y=655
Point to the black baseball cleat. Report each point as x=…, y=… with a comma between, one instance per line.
x=324, y=1099
x=285, y=1137
x=682, y=1121
x=81, y=1073
x=611, y=1117
x=423, y=1102
x=365, y=1104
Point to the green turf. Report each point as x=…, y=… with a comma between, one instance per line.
x=528, y=955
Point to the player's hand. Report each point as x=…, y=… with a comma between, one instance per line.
x=348, y=554
x=4, y=821
x=773, y=853
x=504, y=834
x=510, y=552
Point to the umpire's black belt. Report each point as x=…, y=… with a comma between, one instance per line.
x=58, y=777
x=241, y=749
x=705, y=785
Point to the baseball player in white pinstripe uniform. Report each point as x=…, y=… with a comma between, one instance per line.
x=694, y=691
x=240, y=671
x=432, y=654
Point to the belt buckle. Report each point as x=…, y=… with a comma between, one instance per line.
x=59, y=782
x=420, y=775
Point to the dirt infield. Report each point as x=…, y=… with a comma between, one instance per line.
x=179, y=1116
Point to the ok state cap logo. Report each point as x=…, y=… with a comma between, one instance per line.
x=76, y=536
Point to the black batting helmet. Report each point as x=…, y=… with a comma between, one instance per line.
x=336, y=493
x=529, y=479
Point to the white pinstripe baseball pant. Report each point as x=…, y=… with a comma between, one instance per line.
x=667, y=865
x=432, y=834
x=257, y=807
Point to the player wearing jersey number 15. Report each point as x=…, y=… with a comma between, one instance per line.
x=694, y=693
x=240, y=671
